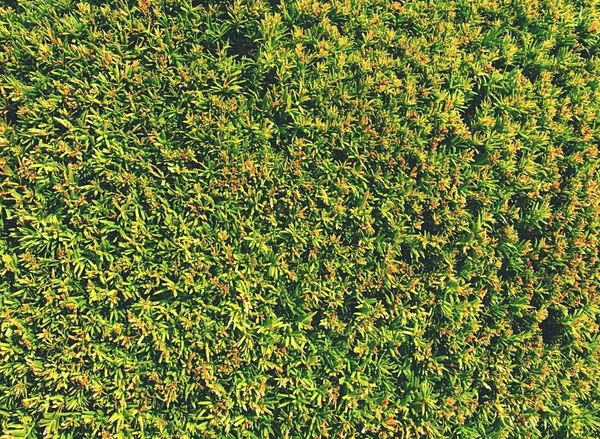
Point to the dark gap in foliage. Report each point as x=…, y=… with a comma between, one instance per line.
x=453, y=141
x=111, y=236
x=197, y=3
x=531, y=72
x=9, y=226
x=566, y=173
x=411, y=161
x=340, y=155
x=342, y=275
x=164, y=296
x=539, y=298
x=196, y=163
x=429, y=224
x=405, y=253
x=431, y=260
x=589, y=52
x=8, y=236
x=275, y=4
x=479, y=93
x=351, y=305
x=550, y=327
x=59, y=128
x=240, y=44
x=270, y=78
x=8, y=223
x=521, y=324
x=558, y=200
x=442, y=342
x=523, y=203
x=14, y=4
x=317, y=318
x=529, y=233
x=485, y=394
x=560, y=434
x=133, y=40
x=506, y=272
x=9, y=277
x=11, y=114
x=473, y=206
x=486, y=300
x=496, y=340
x=275, y=143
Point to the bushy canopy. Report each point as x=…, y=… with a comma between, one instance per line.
x=299, y=219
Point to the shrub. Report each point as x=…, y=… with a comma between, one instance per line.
x=299, y=218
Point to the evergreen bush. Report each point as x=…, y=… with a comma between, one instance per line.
x=299, y=219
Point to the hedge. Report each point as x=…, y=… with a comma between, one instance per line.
x=300, y=219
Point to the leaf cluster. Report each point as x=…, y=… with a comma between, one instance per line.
x=299, y=218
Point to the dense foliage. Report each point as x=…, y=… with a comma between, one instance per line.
x=299, y=219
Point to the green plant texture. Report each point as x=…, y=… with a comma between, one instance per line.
x=277, y=219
